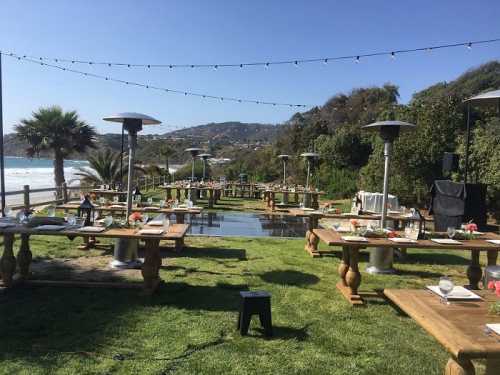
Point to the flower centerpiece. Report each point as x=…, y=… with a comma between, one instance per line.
x=135, y=219
x=495, y=306
x=354, y=225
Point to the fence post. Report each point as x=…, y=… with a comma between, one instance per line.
x=65, y=192
x=26, y=197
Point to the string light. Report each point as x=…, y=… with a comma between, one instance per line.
x=357, y=60
x=393, y=56
x=148, y=86
x=294, y=62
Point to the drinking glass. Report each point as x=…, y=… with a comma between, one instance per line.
x=451, y=232
x=71, y=219
x=446, y=286
x=336, y=225
x=145, y=218
x=108, y=221
x=150, y=201
x=116, y=199
x=102, y=201
x=7, y=211
x=51, y=211
x=166, y=223
x=408, y=230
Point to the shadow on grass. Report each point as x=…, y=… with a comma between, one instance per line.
x=289, y=277
x=38, y=324
x=421, y=274
x=202, y=252
x=286, y=333
x=434, y=258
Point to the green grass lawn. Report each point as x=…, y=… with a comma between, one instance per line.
x=188, y=327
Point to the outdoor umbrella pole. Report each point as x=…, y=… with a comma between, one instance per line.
x=192, y=171
x=308, y=171
x=204, y=167
x=387, y=152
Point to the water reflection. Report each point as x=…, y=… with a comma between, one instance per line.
x=246, y=224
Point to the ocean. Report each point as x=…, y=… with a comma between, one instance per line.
x=37, y=173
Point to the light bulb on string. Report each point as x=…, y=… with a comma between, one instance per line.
x=469, y=46
x=267, y=65
x=393, y=56
x=216, y=67
x=296, y=63
x=325, y=61
x=357, y=60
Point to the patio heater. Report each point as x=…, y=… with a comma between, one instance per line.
x=381, y=259
x=310, y=157
x=490, y=98
x=194, y=151
x=284, y=159
x=125, y=255
x=205, y=158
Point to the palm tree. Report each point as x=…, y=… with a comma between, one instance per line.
x=62, y=133
x=104, y=168
x=167, y=151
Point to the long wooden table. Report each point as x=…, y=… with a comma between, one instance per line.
x=179, y=213
x=313, y=223
x=150, y=267
x=459, y=327
x=350, y=277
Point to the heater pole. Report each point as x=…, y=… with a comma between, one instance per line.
x=387, y=152
x=2, y=166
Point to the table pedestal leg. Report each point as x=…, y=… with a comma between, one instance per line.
x=179, y=244
x=459, y=367
x=179, y=218
x=474, y=272
x=8, y=261
x=352, y=277
x=492, y=366
x=151, y=266
x=344, y=266
x=492, y=257
x=24, y=256
x=315, y=203
x=312, y=239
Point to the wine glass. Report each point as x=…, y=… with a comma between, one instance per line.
x=116, y=199
x=102, y=201
x=108, y=221
x=150, y=201
x=446, y=286
x=451, y=231
x=7, y=211
x=145, y=218
x=162, y=203
x=336, y=225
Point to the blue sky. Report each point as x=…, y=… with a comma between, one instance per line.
x=213, y=32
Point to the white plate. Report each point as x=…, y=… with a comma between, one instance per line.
x=354, y=239
x=308, y=209
x=92, y=229
x=402, y=240
x=494, y=242
x=154, y=232
x=151, y=208
x=458, y=293
x=495, y=327
x=446, y=241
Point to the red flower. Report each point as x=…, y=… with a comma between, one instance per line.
x=491, y=285
x=471, y=227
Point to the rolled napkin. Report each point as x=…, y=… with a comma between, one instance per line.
x=154, y=232
x=92, y=229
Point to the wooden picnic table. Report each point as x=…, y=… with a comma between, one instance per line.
x=350, y=277
x=180, y=213
x=459, y=327
x=269, y=196
x=150, y=267
x=314, y=216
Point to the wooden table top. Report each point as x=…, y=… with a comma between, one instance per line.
x=306, y=213
x=108, y=192
x=333, y=238
x=75, y=206
x=175, y=231
x=459, y=327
